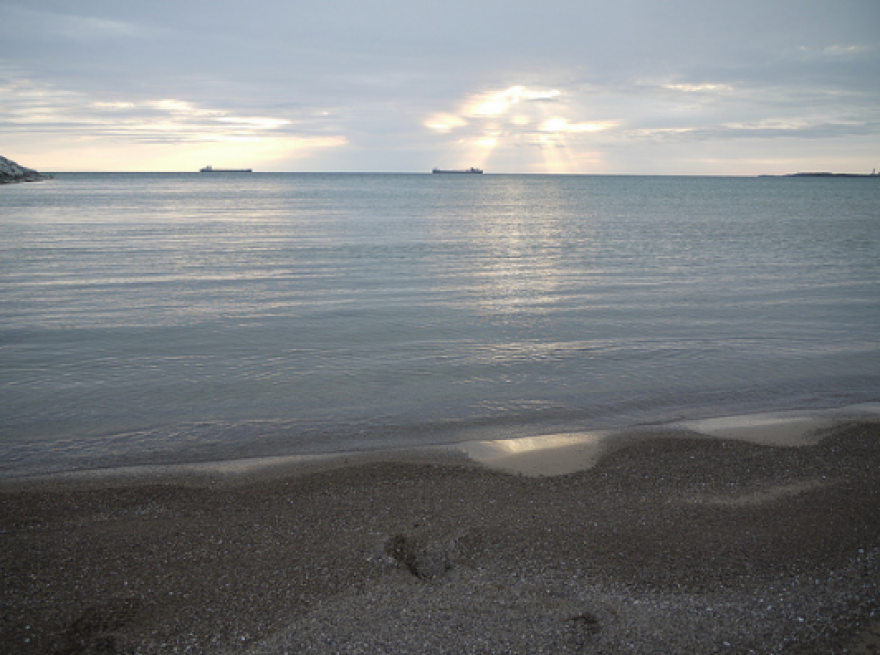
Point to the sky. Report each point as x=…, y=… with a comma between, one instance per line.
x=515, y=86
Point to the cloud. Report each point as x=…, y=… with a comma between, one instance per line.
x=535, y=126
x=699, y=87
x=73, y=26
x=46, y=108
x=774, y=129
x=90, y=27
x=846, y=50
x=518, y=107
x=562, y=125
x=444, y=122
x=838, y=51
x=191, y=129
x=494, y=104
x=563, y=86
x=516, y=116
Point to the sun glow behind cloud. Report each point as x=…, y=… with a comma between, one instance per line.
x=522, y=124
x=444, y=122
x=494, y=104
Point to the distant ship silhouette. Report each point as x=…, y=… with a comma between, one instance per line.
x=474, y=171
x=211, y=169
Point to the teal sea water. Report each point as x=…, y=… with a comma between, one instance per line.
x=160, y=318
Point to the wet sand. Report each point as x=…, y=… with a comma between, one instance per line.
x=670, y=541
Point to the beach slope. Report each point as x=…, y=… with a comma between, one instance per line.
x=673, y=543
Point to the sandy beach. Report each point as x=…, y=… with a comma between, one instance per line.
x=669, y=542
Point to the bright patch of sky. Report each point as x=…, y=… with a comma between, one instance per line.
x=635, y=86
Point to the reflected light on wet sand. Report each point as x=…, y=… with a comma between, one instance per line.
x=764, y=429
x=548, y=455
x=560, y=454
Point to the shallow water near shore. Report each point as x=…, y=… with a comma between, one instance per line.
x=177, y=318
x=540, y=456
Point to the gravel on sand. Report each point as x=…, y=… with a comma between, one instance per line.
x=670, y=544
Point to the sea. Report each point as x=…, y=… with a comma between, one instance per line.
x=151, y=319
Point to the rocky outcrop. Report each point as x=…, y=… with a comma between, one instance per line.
x=12, y=172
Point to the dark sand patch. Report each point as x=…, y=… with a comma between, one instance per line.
x=453, y=558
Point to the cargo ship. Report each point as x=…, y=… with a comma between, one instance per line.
x=211, y=169
x=469, y=171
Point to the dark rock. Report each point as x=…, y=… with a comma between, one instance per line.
x=10, y=172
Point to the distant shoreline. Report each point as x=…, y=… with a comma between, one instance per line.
x=823, y=174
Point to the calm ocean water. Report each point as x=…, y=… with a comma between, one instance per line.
x=152, y=318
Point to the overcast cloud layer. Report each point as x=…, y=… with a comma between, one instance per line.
x=633, y=86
